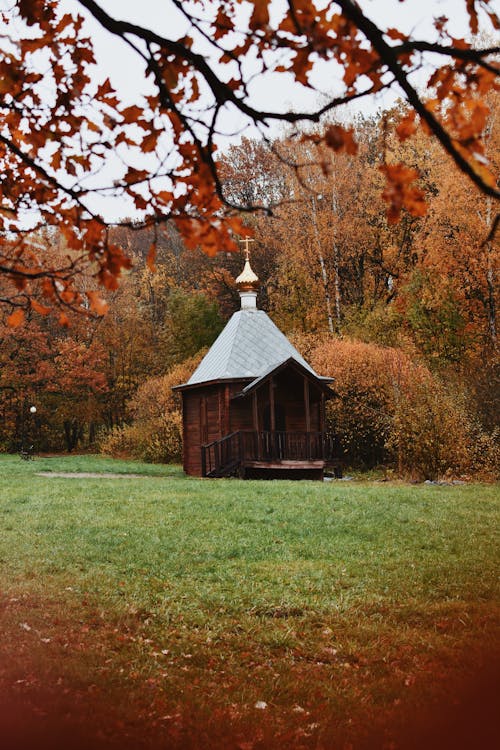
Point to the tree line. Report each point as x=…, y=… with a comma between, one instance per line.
x=64, y=125
x=416, y=298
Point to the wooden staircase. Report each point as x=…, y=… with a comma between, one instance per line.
x=222, y=458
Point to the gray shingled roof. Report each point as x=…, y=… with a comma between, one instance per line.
x=249, y=346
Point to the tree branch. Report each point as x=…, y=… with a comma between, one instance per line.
x=388, y=55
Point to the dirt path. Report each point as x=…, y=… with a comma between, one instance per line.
x=90, y=475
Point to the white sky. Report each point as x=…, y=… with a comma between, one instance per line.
x=275, y=92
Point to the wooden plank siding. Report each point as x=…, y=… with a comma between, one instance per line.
x=210, y=411
x=192, y=425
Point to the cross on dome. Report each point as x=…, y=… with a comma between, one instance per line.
x=246, y=250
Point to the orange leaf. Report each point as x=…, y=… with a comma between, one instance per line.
x=97, y=304
x=407, y=126
x=16, y=318
x=395, y=34
x=64, y=320
x=472, y=12
x=132, y=113
x=260, y=15
x=149, y=142
x=41, y=309
x=56, y=159
x=340, y=139
x=399, y=193
x=105, y=89
x=151, y=258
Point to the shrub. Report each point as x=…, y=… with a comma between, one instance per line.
x=430, y=431
x=368, y=382
x=164, y=445
x=155, y=434
x=389, y=409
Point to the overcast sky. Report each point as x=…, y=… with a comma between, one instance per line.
x=272, y=92
x=413, y=16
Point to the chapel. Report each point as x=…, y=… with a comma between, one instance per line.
x=254, y=407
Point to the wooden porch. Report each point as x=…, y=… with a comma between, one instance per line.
x=252, y=453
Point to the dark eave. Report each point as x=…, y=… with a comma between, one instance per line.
x=218, y=381
x=321, y=382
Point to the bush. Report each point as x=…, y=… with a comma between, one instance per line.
x=155, y=434
x=368, y=382
x=164, y=445
x=391, y=410
x=429, y=434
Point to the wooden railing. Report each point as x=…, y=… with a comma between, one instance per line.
x=222, y=457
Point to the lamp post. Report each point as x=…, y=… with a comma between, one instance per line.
x=27, y=452
x=32, y=429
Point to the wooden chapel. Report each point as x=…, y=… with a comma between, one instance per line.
x=254, y=407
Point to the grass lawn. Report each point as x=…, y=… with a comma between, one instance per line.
x=165, y=611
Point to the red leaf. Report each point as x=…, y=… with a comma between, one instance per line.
x=407, y=126
x=41, y=309
x=260, y=15
x=472, y=12
x=64, y=320
x=399, y=193
x=340, y=139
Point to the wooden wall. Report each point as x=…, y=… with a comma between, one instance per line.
x=206, y=417
x=209, y=414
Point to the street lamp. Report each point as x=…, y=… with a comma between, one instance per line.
x=28, y=452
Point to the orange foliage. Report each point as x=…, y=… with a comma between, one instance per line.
x=155, y=434
x=58, y=123
x=389, y=409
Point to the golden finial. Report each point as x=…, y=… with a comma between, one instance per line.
x=247, y=281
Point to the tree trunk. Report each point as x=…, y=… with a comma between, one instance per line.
x=490, y=280
x=72, y=434
x=324, y=274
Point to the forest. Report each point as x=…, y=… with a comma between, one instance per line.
x=392, y=294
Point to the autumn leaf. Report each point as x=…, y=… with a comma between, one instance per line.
x=400, y=193
x=105, y=89
x=473, y=19
x=407, y=126
x=341, y=139
x=260, y=14
x=302, y=65
x=151, y=258
x=97, y=304
x=395, y=34
x=40, y=309
x=16, y=318
x=132, y=113
x=64, y=320
x=149, y=142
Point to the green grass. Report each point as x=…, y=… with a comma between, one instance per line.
x=335, y=603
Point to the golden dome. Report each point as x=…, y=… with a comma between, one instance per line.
x=247, y=281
